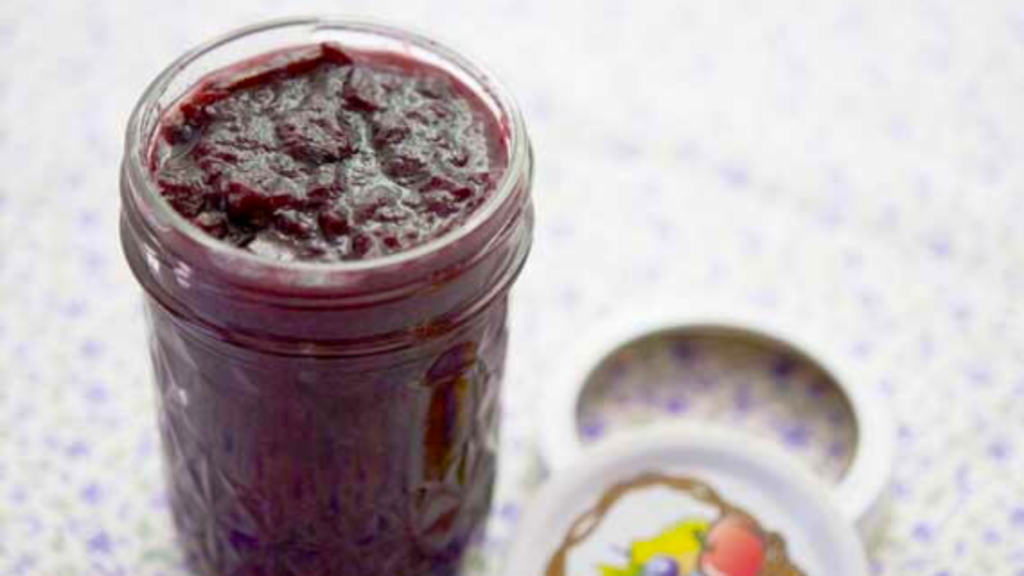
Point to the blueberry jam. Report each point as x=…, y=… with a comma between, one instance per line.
x=323, y=154
x=327, y=420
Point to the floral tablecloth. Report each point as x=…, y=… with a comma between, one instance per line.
x=857, y=167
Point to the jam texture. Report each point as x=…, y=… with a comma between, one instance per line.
x=322, y=154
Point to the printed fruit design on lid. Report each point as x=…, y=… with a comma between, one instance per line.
x=660, y=525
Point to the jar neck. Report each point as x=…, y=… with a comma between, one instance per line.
x=381, y=311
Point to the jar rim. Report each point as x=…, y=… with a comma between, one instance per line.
x=509, y=117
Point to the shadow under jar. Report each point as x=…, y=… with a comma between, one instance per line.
x=327, y=405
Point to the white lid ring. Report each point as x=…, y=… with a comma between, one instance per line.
x=860, y=492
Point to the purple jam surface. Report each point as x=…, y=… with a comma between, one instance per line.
x=324, y=154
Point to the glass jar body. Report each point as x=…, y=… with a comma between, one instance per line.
x=326, y=419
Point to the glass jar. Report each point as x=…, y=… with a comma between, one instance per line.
x=326, y=418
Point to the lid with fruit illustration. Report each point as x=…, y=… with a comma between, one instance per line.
x=685, y=501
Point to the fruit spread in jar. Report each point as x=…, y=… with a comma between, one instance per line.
x=337, y=418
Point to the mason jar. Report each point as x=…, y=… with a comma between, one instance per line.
x=338, y=418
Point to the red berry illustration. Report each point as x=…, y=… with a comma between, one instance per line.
x=734, y=547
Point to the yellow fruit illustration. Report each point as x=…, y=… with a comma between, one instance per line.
x=673, y=552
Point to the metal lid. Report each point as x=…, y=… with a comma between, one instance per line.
x=861, y=490
x=675, y=500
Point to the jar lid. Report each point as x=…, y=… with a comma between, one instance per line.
x=860, y=489
x=678, y=500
